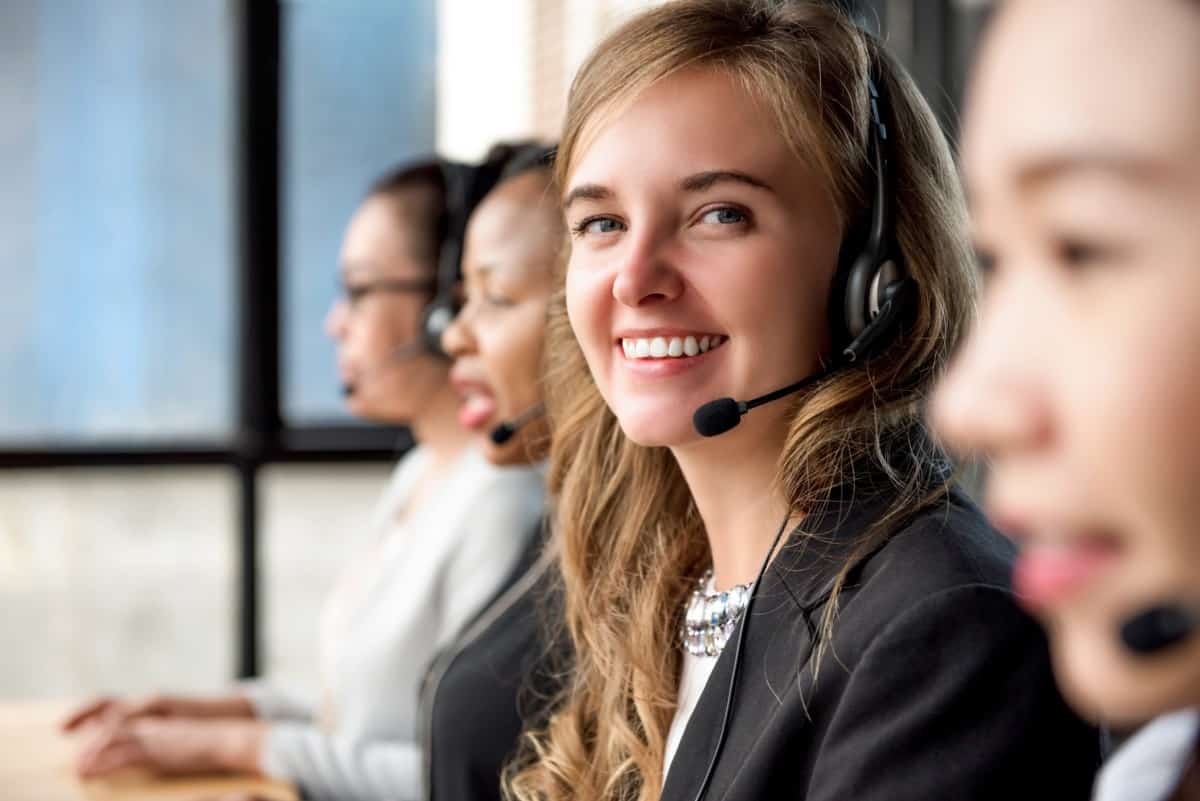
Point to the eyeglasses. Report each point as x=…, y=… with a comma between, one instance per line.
x=355, y=292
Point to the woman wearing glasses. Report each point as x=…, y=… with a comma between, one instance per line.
x=419, y=577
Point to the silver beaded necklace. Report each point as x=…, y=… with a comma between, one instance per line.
x=709, y=617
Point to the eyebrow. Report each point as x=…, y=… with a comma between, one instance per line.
x=586, y=192
x=1127, y=166
x=705, y=180
x=693, y=183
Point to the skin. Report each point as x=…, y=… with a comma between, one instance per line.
x=389, y=386
x=174, y=734
x=667, y=239
x=1082, y=379
x=512, y=246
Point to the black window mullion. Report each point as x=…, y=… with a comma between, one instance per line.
x=258, y=296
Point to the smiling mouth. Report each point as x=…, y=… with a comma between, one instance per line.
x=670, y=347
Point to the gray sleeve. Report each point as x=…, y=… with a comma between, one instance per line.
x=274, y=704
x=506, y=512
x=330, y=768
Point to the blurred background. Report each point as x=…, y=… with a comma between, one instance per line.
x=178, y=480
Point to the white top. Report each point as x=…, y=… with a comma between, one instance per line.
x=696, y=670
x=1150, y=764
x=401, y=598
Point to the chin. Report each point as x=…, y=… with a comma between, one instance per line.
x=1104, y=682
x=658, y=430
x=510, y=453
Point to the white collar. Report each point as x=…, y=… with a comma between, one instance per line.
x=1149, y=765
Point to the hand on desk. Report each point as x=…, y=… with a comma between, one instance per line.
x=111, y=711
x=173, y=746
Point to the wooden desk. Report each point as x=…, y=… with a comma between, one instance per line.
x=35, y=765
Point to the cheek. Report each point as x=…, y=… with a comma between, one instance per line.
x=587, y=307
x=1136, y=434
x=512, y=354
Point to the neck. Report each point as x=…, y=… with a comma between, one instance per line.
x=436, y=428
x=734, y=479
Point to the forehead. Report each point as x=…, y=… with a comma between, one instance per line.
x=516, y=227
x=1060, y=78
x=378, y=237
x=695, y=119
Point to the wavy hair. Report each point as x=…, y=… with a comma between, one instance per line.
x=630, y=535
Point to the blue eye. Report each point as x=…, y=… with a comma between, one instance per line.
x=597, y=225
x=726, y=215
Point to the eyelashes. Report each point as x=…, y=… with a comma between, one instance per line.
x=585, y=225
x=721, y=216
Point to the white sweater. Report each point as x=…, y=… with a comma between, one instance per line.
x=399, y=600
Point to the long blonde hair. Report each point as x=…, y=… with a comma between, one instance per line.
x=631, y=539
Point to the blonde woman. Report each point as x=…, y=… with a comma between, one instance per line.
x=736, y=176
x=1082, y=381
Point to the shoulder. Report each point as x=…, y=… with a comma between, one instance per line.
x=938, y=574
x=946, y=546
x=487, y=478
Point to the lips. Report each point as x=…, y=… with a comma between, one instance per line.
x=478, y=406
x=1049, y=572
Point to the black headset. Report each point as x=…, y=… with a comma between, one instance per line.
x=870, y=296
x=871, y=291
x=465, y=186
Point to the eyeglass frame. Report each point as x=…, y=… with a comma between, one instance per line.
x=354, y=294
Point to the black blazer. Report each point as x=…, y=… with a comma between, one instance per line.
x=935, y=685
x=496, y=678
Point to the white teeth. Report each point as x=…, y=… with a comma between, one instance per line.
x=668, y=347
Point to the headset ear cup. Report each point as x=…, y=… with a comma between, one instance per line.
x=886, y=276
x=855, y=297
x=439, y=314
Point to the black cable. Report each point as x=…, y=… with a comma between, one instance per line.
x=737, y=658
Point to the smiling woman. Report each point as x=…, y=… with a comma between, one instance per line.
x=730, y=170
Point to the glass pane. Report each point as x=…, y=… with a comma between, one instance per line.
x=358, y=97
x=313, y=515
x=116, y=580
x=116, y=214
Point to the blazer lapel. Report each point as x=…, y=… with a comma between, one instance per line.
x=777, y=647
x=770, y=655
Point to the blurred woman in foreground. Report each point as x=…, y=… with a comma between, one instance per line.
x=1081, y=383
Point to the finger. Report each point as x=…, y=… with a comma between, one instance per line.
x=103, y=741
x=151, y=706
x=85, y=713
x=123, y=754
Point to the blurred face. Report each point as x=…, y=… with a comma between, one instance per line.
x=702, y=251
x=376, y=319
x=511, y=245
x=1082, y=380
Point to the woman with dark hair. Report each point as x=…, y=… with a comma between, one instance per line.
x=423, y=572
x=1081, y=383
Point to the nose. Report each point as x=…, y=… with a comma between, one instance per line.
x=336, y=319
x=995, y=399
x=458, y=339
x=646, y=275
